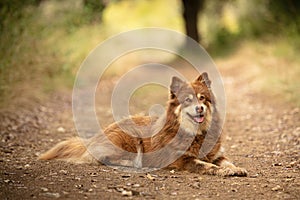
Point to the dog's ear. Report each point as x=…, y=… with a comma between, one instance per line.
x=176, y=84
x=203, y=78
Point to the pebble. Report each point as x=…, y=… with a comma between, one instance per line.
x=136, y=185
x=61, y=130
x=127, y=193
x=79, y=186
x=44, y=189
x=173, y=193
x=254, y=176
x=277, y=164
x=19, y=167
x=63, y=171
x=51, y=195
x=276, y=188
x=149, y=176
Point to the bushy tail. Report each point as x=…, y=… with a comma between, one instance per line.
x=72, y=150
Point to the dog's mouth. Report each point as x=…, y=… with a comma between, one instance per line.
x=197, y=118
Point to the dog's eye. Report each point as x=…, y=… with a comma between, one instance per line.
x=187, y=99
x=202, y=97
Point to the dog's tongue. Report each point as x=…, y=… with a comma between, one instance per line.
x=199, y=119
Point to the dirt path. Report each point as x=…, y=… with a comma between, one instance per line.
x=262, y=136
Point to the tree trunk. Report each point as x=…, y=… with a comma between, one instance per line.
x=191, y=8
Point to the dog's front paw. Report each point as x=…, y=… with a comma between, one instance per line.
x=241, y=172
x=232, y=171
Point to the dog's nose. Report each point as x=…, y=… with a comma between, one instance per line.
x=199, y=109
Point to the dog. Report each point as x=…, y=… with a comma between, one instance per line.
x=187, y=137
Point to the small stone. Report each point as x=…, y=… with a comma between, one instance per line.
x=276, y=188
x=173, y=193
x=19, y=167
x=149, y=176
x=7, y=181
x=63, y=171
x=136, y=185
x=51, y=195
x=172, y=171
x=53, y=174
x=79, y=186
x=127, y=193
x=254, y=176
x=27, y=166
x=119, y=189
x=61, y=129
x=44, y=189
x=277, y=164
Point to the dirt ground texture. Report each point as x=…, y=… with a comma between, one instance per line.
x=263, y=136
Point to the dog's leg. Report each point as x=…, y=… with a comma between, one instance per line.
x=203, y=167
x=196, y=165
x=229, y=168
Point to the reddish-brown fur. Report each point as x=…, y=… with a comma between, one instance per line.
x=126, y=136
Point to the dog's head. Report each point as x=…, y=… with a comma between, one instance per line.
x=195, y=108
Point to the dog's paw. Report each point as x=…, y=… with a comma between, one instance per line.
x=232, y=171
x=241, y=172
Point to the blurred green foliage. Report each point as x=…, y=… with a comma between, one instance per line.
x=43, y=42
x=225, y=23
x=94, y=6
x=35, y=45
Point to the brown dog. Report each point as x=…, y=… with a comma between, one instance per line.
x=187, y=137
